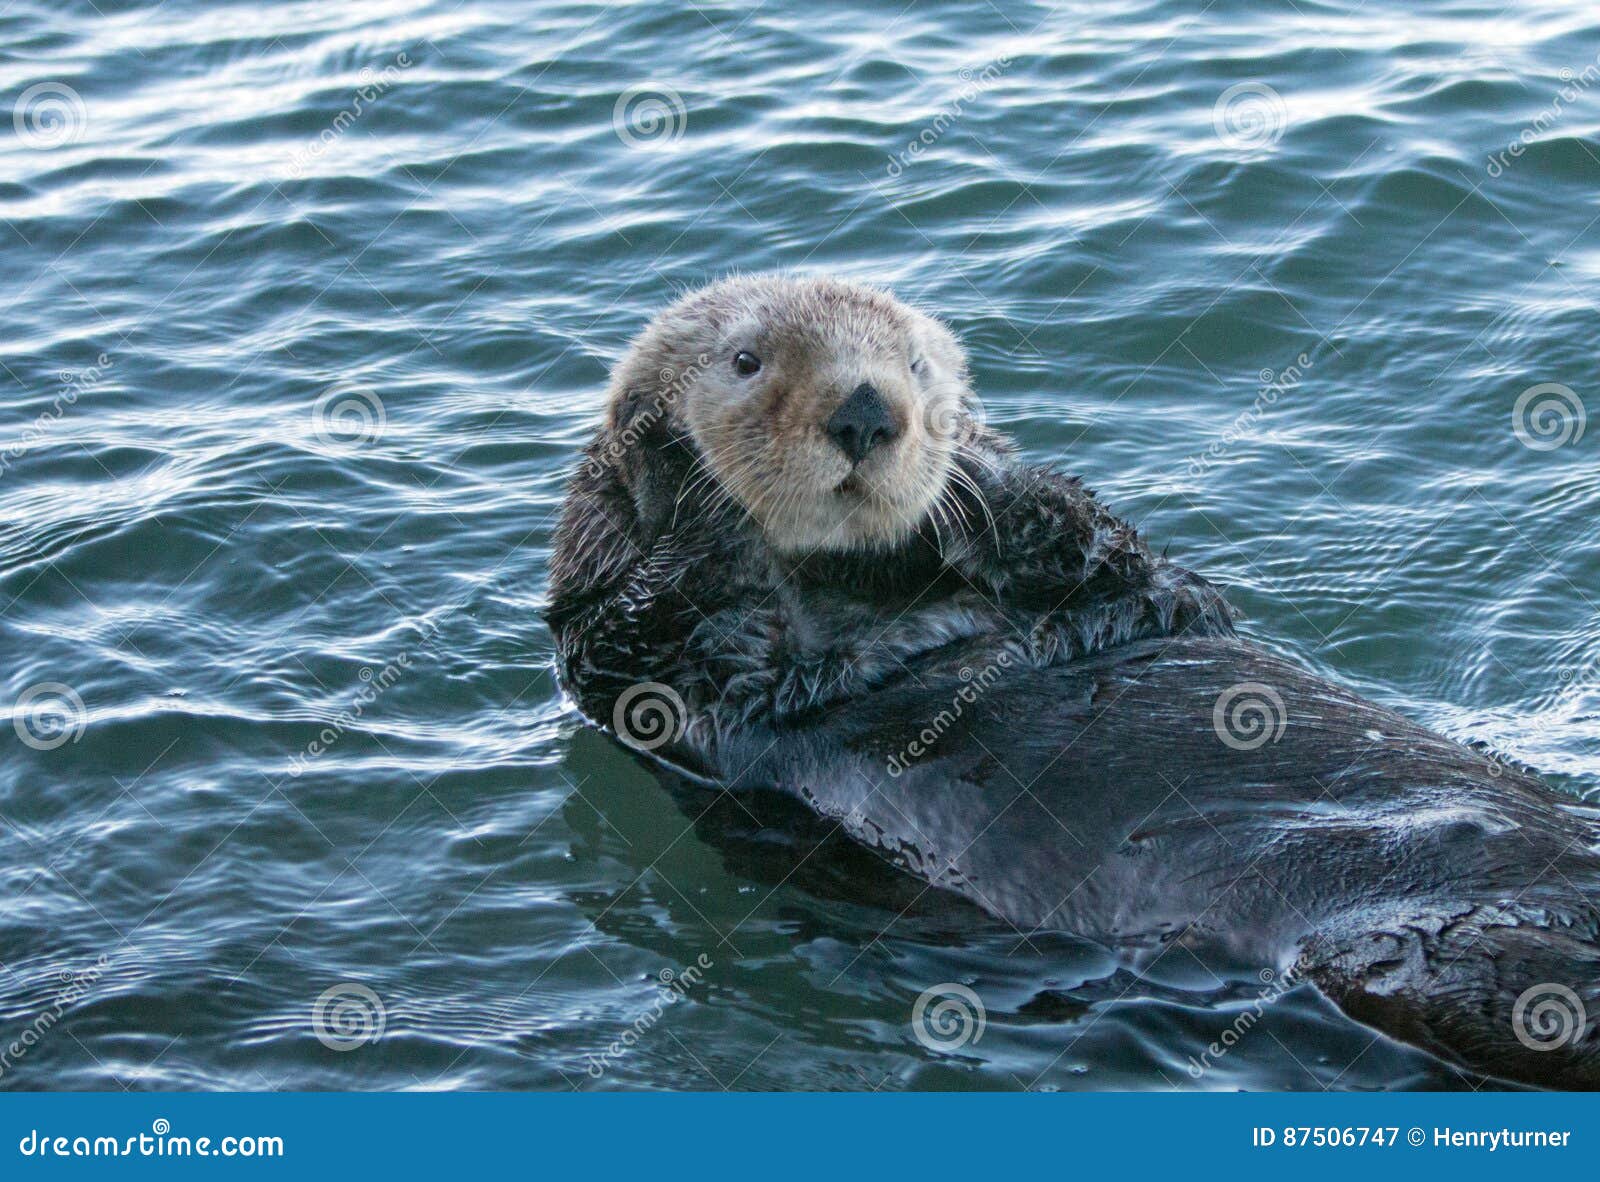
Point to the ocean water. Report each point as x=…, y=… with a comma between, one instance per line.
x=309, y=306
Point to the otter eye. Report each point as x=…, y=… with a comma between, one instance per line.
x=746, y=364
x=919, y=367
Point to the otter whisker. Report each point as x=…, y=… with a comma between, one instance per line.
x=950, y=508
x=697, y=474
x=964, y=447
x=703, y=470
x=971, y=485
x=738, y=469
x=939, y=513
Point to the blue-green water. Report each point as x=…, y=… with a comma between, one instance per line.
x=308, y=307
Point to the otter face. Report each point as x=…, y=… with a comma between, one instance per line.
x=829, y=410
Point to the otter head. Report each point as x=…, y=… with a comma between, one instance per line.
x=828, y=410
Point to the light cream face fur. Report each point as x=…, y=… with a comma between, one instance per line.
x=764, y=436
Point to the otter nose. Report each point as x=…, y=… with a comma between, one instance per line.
x=861, y=423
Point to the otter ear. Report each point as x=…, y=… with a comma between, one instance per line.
x=943, y=346
x=636, y=409
x=651, y=457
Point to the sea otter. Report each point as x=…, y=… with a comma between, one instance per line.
x=794, y=540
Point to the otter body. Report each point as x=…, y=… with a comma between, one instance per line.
x=1424, y=888
x=980, y=672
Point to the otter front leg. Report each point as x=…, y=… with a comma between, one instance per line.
x=629, y=630
x=754, y=669
x=694, y=613
x=1039, y=541
x=625, y=600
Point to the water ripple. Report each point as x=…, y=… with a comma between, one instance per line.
x=1272, y=278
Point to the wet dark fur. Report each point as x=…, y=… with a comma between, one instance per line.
x=692, y=598
x=1418, y=883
